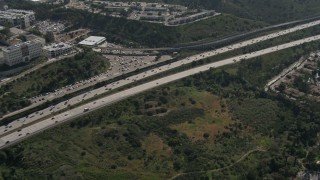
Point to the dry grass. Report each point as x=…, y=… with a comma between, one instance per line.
x=154, y=144
x=216, y=118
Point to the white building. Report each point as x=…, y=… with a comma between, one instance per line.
x=22, y=52
x=15, y=17
x=93, y=41
x=55, y=50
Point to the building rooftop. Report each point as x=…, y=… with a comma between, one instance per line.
x=17, y=31
x=14, y=47
x=15, y=13
x=92, y=40
x=56, y=46
x=17, y=46
x=14, y=41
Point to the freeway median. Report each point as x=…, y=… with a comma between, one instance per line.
x=17, y=136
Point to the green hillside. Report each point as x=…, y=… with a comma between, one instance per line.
x=219, y=123
x=272, y=11
x=241, y=16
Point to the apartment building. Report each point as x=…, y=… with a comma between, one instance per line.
x=22, y=52
x=55, y=50
x=16, y=17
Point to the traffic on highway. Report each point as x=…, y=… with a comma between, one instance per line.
x=41, y=120
x=120, y=67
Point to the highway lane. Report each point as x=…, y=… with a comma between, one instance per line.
x=196, y=57
x=117, y=64
x=20, y=134
x=296, y=28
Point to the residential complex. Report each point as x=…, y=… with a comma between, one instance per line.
x=22, y=52
x=167, y=14
x=15, y=17
x=55, y=50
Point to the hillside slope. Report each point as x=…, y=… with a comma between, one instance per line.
x=271, y=11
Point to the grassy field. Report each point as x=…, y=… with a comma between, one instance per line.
x=217, y=117
x=118, y=146
x=203, y=122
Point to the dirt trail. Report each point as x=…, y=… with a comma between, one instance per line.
x=259, y=149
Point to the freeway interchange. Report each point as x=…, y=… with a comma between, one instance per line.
x=47, y=118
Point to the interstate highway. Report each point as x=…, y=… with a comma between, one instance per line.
x=207, y=44
x=15, y=136
x=196, y=57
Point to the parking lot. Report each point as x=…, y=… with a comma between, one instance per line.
x=49, y=26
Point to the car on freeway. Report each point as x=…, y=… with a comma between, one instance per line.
x=85, y=109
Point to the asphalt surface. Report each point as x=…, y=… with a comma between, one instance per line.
x=119, y=65
x=27, y=126
x=101, y=78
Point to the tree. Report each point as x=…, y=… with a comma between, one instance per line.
x=35, y=32
x=163, y=99
x=301, y=85
x=206, y=135
x=282, y=87
x=5, y=31
x=22, y=38
x=49, y=37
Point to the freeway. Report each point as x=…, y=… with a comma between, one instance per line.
x=17, y=130
x=194, y=45
x=118, y=67
x=196, y=57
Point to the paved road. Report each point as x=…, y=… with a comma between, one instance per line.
x=20, y=129
x=181, y=62
x=119, y=66
x=273, y=81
